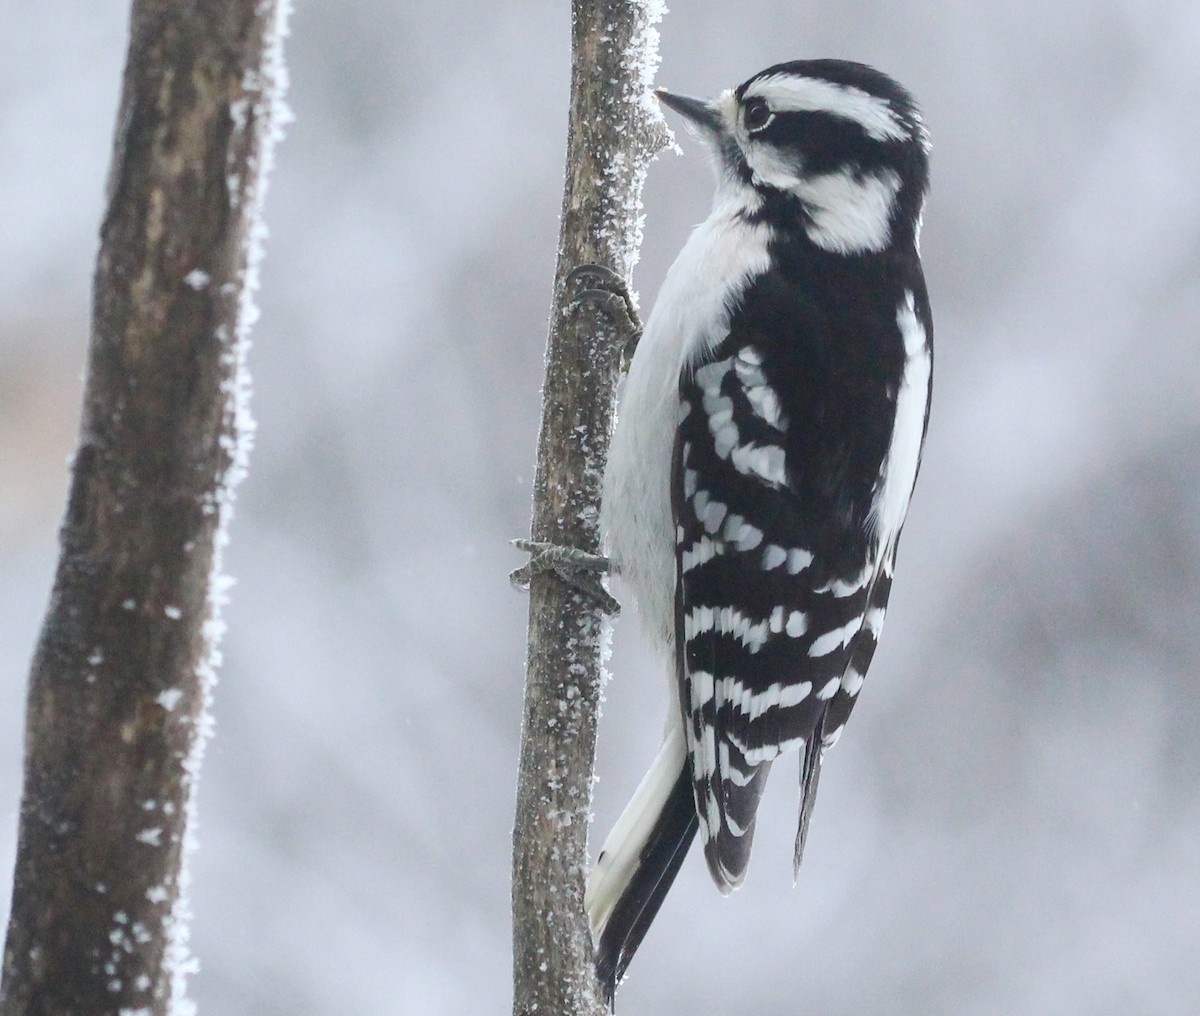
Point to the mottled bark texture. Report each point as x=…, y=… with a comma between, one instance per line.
x=116, y=702
x=613, y=133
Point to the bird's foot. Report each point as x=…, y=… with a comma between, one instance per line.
x=605, y=290
x=577, y=568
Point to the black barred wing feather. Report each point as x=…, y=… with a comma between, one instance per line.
x=776, y=616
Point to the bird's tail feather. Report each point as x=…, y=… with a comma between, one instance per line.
x=640, y=860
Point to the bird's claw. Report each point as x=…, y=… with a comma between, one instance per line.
x=605, y=290
x=579, y=569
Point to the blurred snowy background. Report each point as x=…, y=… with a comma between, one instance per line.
x=1011, y=825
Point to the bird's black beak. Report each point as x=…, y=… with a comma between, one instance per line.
x=698, y=112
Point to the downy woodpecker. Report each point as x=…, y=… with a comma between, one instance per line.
x=768, y=441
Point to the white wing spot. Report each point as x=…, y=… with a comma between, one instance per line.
x=757, y=756
x=718, y=409
x=710, y=376
x=773, y=557
x=797, y=624
x=698, y=621
x=700, y=552
x=714, y=515
x=836, y=639
x=725, y=440
x=794, y=694
x=766, y=461
x=830, y=689
x=830, y=739
x=749, y=537
x=847, y=587
x=852, y=681
x=798, y=560
x=702, y=687
x=765, y=404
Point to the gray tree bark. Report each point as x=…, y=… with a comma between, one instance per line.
x=614, y=132
x=117, y=701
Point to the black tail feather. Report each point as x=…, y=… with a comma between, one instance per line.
x=639, y=903
x=810, y=775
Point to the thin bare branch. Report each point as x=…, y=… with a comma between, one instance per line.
x=614, y=132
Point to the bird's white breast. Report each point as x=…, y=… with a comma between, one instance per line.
x=690, y=317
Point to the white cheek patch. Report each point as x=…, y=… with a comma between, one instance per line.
x=850, y=212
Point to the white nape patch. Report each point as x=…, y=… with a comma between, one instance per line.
x=836, y=639
x=830, y=688
x=850, y=212
x=798, y=560
x=797, y=624
x=793, y=93
x=763, y=461
x=690, y=318
x=773, y=557
x=700, y=552
x=852, y=682
x=899, y=472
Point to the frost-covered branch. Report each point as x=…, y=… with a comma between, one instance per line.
x=614, y=131
x=118, y=695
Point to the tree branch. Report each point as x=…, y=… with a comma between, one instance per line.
x=614, y=132
x=119, y=686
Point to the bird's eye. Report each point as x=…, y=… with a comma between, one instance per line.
x=757, y=114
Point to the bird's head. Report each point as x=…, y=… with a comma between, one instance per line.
x=832, y=148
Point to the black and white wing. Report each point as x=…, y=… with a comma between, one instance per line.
x=780, y=595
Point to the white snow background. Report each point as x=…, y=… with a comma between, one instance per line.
x=1011, y=823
